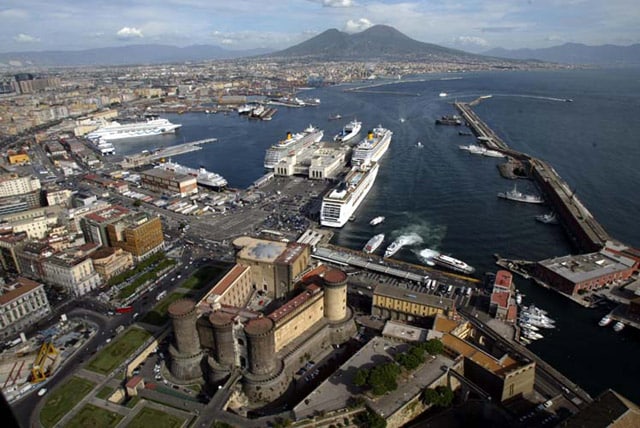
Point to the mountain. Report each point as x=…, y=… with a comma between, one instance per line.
x=124, y=55
x=379, y=42
x=576, y=53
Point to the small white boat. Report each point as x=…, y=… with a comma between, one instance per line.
x=373, y=243
x=376, y=220
x=606, y=320
x=529, y=326
x=525, y=341
x=419, y=145
x=442, y=94
x=532, y=335
x=519, y=299
x=618, y=326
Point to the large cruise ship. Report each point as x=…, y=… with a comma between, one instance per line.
x=203, y=177
x=118, y=131
x=292, y=144
x=372, y=147
x=340, y=204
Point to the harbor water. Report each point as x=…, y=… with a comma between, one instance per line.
x=583, y=122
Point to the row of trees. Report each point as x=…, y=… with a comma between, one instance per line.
x=382, y=378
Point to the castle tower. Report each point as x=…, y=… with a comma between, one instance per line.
x=186, y=353
x=224, y=352
x=261, y=346
x=335, y=295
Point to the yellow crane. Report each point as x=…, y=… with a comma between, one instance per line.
x=41, y=370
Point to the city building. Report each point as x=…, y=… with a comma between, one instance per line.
x=71, y=272
x=249, y=321
x=140, y=234
x=22, y=303
x=94, y=225
x=609, y=409
x=109, y=261
x=573, y=274
x=397, y=303
x=502, y=303
x=14, y=185
x=169, y=182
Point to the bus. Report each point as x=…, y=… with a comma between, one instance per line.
x=124, y=309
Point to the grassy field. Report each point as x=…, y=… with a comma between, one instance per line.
x=63, y=399
x=105, y=392
x=204, y=276
x=117, y=351
x=148, y=417
x=93, y=416
x=158, y=315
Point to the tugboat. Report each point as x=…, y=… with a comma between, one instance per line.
x=515, y=195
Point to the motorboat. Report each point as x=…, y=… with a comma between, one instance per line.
x=376, y=220
x=606, y=320
x=618, y=326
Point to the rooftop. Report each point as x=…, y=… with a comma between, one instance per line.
x=108, y=214
x=294, y=303
x=584, y=267
x=21, y=286
x=260, y=249
x=413, y=296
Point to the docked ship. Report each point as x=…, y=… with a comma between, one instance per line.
x=349, y=131
x=292, y=144
x=340, y=204
x=103, y=147
x=395, y=246
x=203, y=177
x=376, y=220
x=372, y=147
x=453, y=264
x=117, y=131
x=515, y=195
x=548, y=218
x=373, y=243
x=449, y=120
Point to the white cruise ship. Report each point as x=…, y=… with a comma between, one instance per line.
x=203, y=177
x=292, y=144
x=372, y=147
x=117, y=131
x=349, y=131
x=340, y=204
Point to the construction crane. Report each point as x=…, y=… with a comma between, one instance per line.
x=41, y=370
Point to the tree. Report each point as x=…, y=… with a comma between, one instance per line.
x=433, y=347
x=441, y=396
x=361, y=378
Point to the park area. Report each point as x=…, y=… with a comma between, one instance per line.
x=158, y=315
x=94, y=416
x=63, y=399
x=148, y=417
x=118, y=351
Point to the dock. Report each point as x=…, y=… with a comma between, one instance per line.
x=146, y=158
x=586, y=233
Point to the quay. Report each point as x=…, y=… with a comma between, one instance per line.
x=145, y=158
x=585, y=232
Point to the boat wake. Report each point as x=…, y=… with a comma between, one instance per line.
x=535, y=97
x=426, y=256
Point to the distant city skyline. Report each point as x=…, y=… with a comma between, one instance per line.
x=471, y=25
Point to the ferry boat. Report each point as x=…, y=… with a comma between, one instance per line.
x=618, y=326
x=515, y=195
x=548, y=218
x=395, y=246
x=606, y=320
x=453, y=264
x=117, y=131
x=203, y=177
x=349, y=131
x=292, y=144
x=341, y=203
x=376, y=220
x=373, y=243
x=372, y=147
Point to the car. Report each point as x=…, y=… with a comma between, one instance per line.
x=108, y=340
x=547, y=404
x=42, y=391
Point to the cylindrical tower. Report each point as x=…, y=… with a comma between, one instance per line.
x=335, y=295
x=223, y=352
x=183, y=314
x=261, y=346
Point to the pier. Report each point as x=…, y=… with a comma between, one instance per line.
x=586, y=233
x=145, y=158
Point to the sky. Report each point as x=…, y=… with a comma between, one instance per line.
x=471, y=25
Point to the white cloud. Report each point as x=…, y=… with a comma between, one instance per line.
x=13, y=14
x=355, y=26
x=129, y=33
x=25, y=38
x=553, y=38
x=337, y=3
x=226, y=42
x=471, y=41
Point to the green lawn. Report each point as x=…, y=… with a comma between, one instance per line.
x=148, y=417
x=158, y=315
x=204, y=276
x=117, y=351
x=95, y=417
x=63, y=399
x=105, y=392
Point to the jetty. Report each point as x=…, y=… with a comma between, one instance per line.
x=148, y=157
